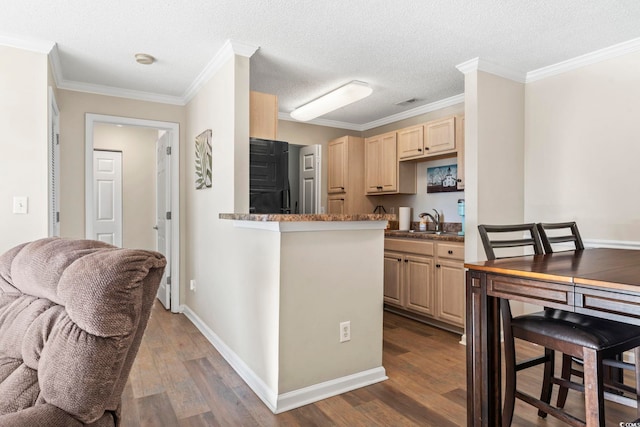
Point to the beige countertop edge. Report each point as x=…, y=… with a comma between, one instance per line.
x=305, y=217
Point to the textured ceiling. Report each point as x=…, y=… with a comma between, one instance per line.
x=403, y=49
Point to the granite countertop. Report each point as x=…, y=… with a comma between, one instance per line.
x=306, y=217
x=446, y=236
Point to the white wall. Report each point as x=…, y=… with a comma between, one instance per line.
x=73, y=108
x=24, y=160
x=494, y=155
x=138, y=147
x=582, y=147
x=233, y=296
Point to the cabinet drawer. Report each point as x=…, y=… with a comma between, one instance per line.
x=449, y=250
x=406, y=245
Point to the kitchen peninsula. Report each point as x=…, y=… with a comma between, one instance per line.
x=313, y=273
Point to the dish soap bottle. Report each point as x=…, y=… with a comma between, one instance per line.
x=423, y=223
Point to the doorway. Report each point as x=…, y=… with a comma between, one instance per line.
x=170, y=132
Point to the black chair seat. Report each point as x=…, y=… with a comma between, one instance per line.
x=577, y=329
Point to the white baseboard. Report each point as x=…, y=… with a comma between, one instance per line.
x=304, y=396
x=262, y=390
x=278, y=403
x=615, y=244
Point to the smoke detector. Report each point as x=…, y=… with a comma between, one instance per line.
x=144, y=58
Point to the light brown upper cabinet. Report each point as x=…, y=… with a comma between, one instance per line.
x=263, y=115
x=411, y=142
x=433, y=138
x=345, y=177
x=440, y=135
x=383, y=174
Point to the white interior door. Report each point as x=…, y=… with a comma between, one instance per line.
x=310, y=167
x=107, y=197
x=163, y=213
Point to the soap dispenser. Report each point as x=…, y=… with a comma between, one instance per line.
x=461, y=213
x=423, y=223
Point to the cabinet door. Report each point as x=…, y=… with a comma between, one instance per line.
x=337, y=166
x=393, y=278
x=336, y=205
x=263, y=115
x=440, y=135
x=450, y=291
x=372, y=164
x=418, y=281
x=389, y=164
x=411, y=142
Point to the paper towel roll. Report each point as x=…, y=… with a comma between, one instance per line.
x=404, y=218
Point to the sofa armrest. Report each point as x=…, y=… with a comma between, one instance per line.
x=39, y=415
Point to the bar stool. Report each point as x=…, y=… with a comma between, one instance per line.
x=588, y=338
x=614, y=376
x=547, y=240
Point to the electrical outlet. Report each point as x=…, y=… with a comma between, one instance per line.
x=345, y=331
x=192, y=285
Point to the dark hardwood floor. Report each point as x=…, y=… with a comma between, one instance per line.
x=179, y=379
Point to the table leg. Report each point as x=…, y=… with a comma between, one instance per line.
x=483, y=354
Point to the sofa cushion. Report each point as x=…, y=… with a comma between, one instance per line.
x=70, y=315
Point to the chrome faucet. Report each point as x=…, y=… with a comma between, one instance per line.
x=435, y=219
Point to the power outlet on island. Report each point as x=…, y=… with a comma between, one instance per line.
x=345, y=331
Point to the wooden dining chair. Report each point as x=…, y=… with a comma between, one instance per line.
x=571, y=333
x=614, y=375
x=549, y=239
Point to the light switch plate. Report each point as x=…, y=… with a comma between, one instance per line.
x=20, y=204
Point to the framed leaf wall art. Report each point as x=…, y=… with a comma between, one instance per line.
x=203, y=160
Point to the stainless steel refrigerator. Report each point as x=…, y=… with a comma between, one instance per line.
x=269, y=176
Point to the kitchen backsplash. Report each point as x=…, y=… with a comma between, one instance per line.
x=451, y=227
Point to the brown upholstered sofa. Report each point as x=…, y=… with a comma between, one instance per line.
x=72, y=314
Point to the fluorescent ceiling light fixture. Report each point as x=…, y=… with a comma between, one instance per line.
x=344, y=95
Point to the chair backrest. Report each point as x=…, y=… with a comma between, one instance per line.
x=547, y=240
x=72, y=316
x=490, y=244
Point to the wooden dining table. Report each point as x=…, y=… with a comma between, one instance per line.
x=599, y=282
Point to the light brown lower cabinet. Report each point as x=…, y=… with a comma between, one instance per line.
x=426, y=277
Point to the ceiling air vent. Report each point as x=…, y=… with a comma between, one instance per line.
x=406, y=102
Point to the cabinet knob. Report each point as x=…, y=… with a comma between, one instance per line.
x=379, y=188
x=406, y=260
x=437, y=265
x=450, y=252
x=426, y=148
x=459, y=180
x=342, y=188
x=399, y=259
x=419, y=149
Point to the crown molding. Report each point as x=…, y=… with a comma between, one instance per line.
x=228, y=50
x=39, y=46
x=478, y=64
x=120, y=93
x=437, y=105
x=610, y=52
x=423, y=109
